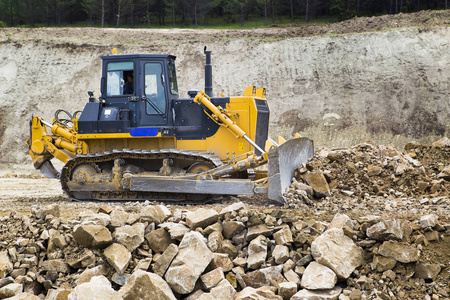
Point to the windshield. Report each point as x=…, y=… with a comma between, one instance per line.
x=120, y=78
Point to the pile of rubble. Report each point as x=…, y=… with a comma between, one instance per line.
x=237, y=253
x=368, y=170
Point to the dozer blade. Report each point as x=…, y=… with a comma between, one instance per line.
x=48, y=170
x=283, y=161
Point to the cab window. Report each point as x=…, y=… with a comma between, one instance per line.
x=120, y=78
x=154, y=89
x=172, y=78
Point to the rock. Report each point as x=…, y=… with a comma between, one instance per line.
x=118, y=217
x=25, y=296
x=120, y=279
x=96, y=219
x=215, y=240
x=223, y=291
x=287, y=289
x=6, y=265
x=340, y=220
x=56, y=240
x=155, y=213
x=214, y=227
x=263, y=277
x=41, y=213
x=318, y=182
x=292, y=276
x=87, y=274
x=10, y=290
x=178, y=231
x=130, y=236
x=442, y=143
x=257, y=252
x=335, y=250
x=318, y=277
x=58, y=294
x=381, y=263
x=105, y=209
x=192, y=259
x=221, y=260
x=401, y=252
x=427, y=271
x=303, y=187
x=144, y=285
x=233, y=207
x=257, y=230
x=195, y=295
x=81, y=260
x=227, y=247
x=58, y=265
x=231, y=228
x=305, y=294
x=202, y=217
x=280, y=254
x=92, y=236
x=163, y=262
x=445, y=174
x=428, y=221
x=118, y=256
x=158, y=240
x=262, y=293
x=213, y=278
x=390, y=230
x=374, y=170
x=98, y=286
x=283, y=236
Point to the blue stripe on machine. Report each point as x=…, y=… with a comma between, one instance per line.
x=144, y=131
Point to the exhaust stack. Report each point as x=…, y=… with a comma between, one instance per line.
x=208, y=74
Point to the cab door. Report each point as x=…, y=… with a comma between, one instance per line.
x=154, y=103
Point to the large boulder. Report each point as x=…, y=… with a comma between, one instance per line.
x=92, y=236
x=10, y=290
x=130, y=236
x=401, y=252
x=98, y=286
x=118, y=256
x=202, y=217
x=337, y=251
x=146, y=286
x=192, y=259
x=318, y=277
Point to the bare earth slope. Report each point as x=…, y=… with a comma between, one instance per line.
x=382, y=78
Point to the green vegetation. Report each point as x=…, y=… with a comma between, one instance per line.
x=223, y=14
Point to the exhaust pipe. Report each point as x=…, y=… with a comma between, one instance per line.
x=208, y=74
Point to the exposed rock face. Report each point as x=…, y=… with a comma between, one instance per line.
x=92, y=236
x=118, y=256
x=337, y=251
x=401, y=252
x=144, y=285
x=98, y=286
x=318, y=277
x=192, y=259
x=202, y=217
x=130, y=236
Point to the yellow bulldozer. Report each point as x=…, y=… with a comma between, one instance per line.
x=140, y=141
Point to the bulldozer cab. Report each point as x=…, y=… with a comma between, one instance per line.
x=144, y=85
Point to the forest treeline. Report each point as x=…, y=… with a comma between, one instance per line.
x=194, y=13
